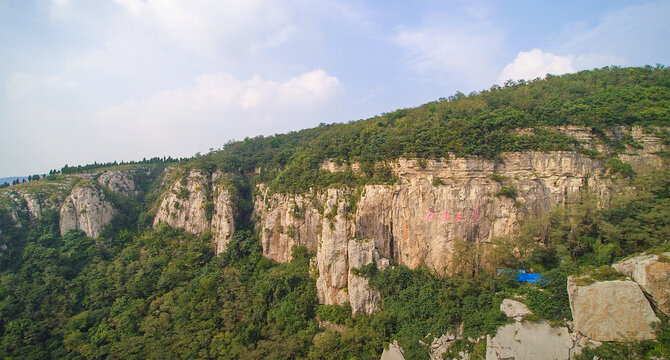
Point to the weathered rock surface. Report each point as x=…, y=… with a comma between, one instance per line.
x=361, y=297
x=86, y=209
x=394, y=352
x=199, y=203
x=529, y=341
x=514, y=309
x=652, y=275
x=285, y=221
x=611, y=311
x=331, y=254
x=122, y=182
x=422, y=219
x=183, y=206
x=223, y=223
x=441, y=345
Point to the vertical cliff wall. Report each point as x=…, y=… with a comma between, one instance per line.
x=432, y=207
x=86, y=209
x=80, y=200
x=198, y=202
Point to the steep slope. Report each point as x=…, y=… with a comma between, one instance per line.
x=200, y=202
x=83, y=202
x=433, y=215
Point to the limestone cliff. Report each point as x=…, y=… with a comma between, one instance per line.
x=653, y=276
x=86, y=209
x=122, y=182
x=198, y=202
x=435, y=208
x=611, y=311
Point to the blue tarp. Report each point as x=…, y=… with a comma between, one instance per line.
x=522, y=276
x=531, y=278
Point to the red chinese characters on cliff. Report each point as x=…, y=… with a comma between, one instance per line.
x=453, y=218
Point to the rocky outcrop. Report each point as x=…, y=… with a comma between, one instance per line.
x=331, y=254
x=533, y=340
x=529, y=341
x=122, y=182
x=223, y=223
x=360, y=253
x=611, y=311
x=86, y=209
x=434, y=209
x=184, y=205
x=420, y=219
x=441, y=346
x=197, y=203
x=285, y=221
x=653, y=276
x=394, y=352
x=514, y=309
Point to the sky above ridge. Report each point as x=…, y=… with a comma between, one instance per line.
x=111, y=80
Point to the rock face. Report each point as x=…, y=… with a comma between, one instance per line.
x=394, y=352
x=223, y=223
x=529, y=341
x=422, y=218
x=611, y=311
x=122, y=182
x=199, y=203
x=433, y=210
x=183, y=206
x=288, y=221
x=87, y=210
x=442, y=344
x=652, y=275
x=361, y=297
x=514, y=309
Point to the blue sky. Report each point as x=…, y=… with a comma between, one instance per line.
x=84, y=81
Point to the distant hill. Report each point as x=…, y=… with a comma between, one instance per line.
x=12, y=178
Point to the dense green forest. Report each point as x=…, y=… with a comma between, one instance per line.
x=480, y=124
x=143, y=293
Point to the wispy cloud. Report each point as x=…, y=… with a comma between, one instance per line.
x=216, y=108
x=460, y=47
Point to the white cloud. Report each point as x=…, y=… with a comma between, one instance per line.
x=632, y=35
x=203, y=27
x=22, y=85
x=216, y=108
x=459, y=48
x=536, y=63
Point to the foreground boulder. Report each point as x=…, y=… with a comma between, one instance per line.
x=611, y=310
x=653, y=276
x=529, y=340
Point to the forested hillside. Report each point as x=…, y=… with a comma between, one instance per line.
x=143, y=290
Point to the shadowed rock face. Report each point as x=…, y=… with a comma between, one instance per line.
x=653, y=276
x=86, y=209
x=185, y=206
x=611, y=311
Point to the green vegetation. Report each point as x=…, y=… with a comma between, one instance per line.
x=498, y=178
x=508, y=191
x=482, y=124
x=138, y=292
